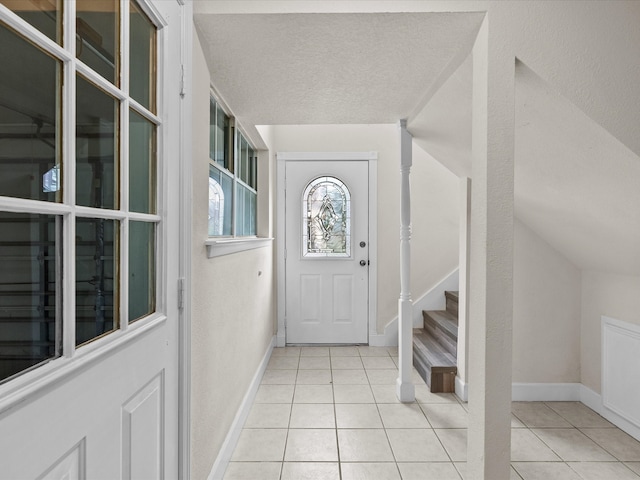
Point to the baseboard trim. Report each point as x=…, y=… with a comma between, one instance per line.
x=593, y=400
x=461, y=390
x=545, y=392
x=231, y=440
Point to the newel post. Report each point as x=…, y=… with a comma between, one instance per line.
x=405, y=389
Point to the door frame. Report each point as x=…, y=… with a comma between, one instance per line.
x=281, y=159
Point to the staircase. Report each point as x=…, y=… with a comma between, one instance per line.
x=435, y=346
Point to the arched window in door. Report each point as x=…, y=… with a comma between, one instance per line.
x=326, y=226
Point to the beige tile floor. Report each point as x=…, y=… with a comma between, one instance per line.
x=331, y=413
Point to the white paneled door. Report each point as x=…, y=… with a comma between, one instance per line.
x=327, y=252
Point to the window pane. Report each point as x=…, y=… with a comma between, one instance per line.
x=98, y=36
x=96, y=278
x=142, y=164
x=220, y=202
x=142, y=277
x=218, y=135
x=142, y=63
x=326, y=208
x=30, y=153
x=96, y=147
x=45, y=15
x=30, y=291
x=245, y=212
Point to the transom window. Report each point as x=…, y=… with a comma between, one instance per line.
x=326, y=226
x=78, y=175
x=233, y=178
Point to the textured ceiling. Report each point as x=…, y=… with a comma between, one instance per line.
x=331, y=68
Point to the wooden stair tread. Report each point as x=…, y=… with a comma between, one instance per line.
x=453, y=295
x=431, y=352
x=444, y=320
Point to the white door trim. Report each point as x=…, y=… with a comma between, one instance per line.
x=283, y=157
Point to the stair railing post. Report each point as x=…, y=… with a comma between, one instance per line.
x=405, y=389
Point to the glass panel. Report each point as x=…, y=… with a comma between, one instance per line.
x=98, y=36
x=30, y=153
x=142, y=62
x=245, y=212
x=30, y=291
x=142, y=266
x=326, y=210
x=220, y=202
x=142, y=164
x=96, y=278
x=96, y=147
x=218, y=135
x=45, y=15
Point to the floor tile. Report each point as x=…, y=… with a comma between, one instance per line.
x=346, y=363
x=309, y=471
x=635, y=466
x=382, y=377
x=537, y=414
x=462, y=470
x=369, y=471
x=545, y=471
x=402, y=415
x=279, y=377
x=283, y=363
x=364, y=445
x=527, y=447
x=424, y=395
x=268, y=415
x=311, y=445
x=260, y=445
x=350, y=377
x=274, y=394
x=385, y=393
x=313, y=377
x=579, y=415
x=378, y=362
x=373, y=351
x=515, y=423
x=344, y=351
x=358, y=416
x=454, y=442
x=314, y=363
x=622, y=446
x=416, y=445
x=428, y=471
x=603, y=471
x=253, y=470
x=312, y=415
x=313, y=394
x=286, y=351
x=314, y=352
x=571, y=445
x=445, y=415
x=353, y=394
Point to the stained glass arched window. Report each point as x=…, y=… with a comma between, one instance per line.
x=326, y=222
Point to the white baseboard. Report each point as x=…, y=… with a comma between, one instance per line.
x=545, y=392
x=432, y=300
x=593, y=400
x=461, y=389
x=230, y=441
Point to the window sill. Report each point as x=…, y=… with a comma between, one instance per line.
x=227, y=246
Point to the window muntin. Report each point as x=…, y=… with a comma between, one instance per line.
x=98, y=36
x=326, y=225
x=233, y=184
x=30, y=143
x=89, y=238
x=44, y=15
x=142, y=58
x=30, y=287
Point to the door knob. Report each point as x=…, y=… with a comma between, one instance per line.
x=363, y=263
x=363, y=244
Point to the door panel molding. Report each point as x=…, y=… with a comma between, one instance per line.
x=281, y=159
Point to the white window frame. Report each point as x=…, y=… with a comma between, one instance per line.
x=73, y=358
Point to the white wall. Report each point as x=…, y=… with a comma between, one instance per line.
x=233, y=307
x=546, y=312
x=434, y=204
x=612, y=295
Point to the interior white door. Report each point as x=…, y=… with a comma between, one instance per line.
x=327, y=273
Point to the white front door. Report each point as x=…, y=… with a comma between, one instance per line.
x=88, y=273
x=327, y=246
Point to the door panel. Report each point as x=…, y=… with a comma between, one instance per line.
x=326, y=285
